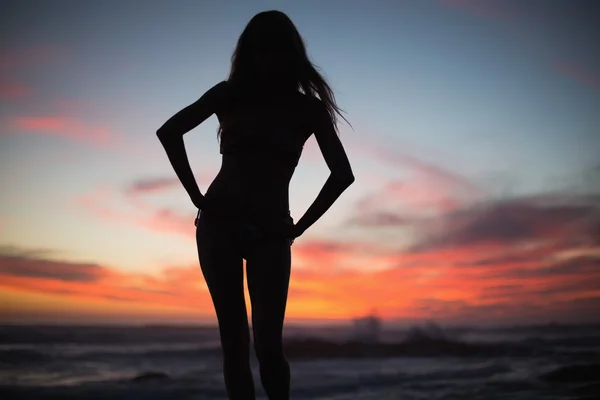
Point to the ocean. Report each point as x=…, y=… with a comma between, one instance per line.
x=327, y=363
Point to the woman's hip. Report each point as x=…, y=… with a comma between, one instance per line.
x=240, y=232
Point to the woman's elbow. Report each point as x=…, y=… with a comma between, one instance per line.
x=350, y=180
x=164, y=135
x=345, y=179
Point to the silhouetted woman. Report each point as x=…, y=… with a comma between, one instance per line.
x=273, y=101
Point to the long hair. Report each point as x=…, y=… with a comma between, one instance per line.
x=274, y=29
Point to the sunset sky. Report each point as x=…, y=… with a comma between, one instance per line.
x=475, y=146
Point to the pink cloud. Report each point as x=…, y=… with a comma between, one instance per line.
x=158, y=185
x=430, y=171
x=67, y=127
x=32, y=57
x=97, y=202
x=160, y=220
x=414, y=196
x=13, y=91
x=62, y=124
x=579, y=73
x=153, y=185
x=15, y=61
x=429, y=188
x=386, y=153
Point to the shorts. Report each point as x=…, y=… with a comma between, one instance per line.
x=243, y=232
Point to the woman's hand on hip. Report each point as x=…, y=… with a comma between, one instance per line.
x=198, y=200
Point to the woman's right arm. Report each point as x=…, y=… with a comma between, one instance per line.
x=171, y=134
x=340, y=177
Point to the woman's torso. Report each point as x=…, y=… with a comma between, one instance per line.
x=261, y=143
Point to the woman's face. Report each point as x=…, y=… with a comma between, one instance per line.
x=271, y=57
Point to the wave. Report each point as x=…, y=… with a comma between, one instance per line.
x=589, y=372
x=371, y=383
x=125, y=335
x=23, y=357
x=428, y=340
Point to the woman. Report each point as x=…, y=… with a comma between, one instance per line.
x=264, y=122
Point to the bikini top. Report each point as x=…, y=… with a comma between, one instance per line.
x=240, y=139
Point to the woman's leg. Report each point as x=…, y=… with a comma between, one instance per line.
x=222, y=267
x=268, y=274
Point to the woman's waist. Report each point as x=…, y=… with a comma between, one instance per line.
x=246, y=205
x=228, y=187
x=267, y=218
x=255, y=167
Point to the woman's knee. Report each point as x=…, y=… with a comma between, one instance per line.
x=235, y=349
x=269, y=351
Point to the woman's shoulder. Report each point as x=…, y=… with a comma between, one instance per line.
x=313, y=103
x=310, y=104
x=223, y=87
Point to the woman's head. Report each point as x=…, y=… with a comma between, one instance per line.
x=270, y=53
x=269, y=49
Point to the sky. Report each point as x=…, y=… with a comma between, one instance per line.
x=475, y=143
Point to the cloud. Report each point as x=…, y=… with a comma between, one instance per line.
x=399, y=202
x=158, y=219
x=64, y=126
x=583, y=266
x=143, y=186
x=332, y=279
x=37, y=56
x=37, y=272
x=426, y=189
x=379, y=219
x=154, y=185
x=13, y=91
x=28, y=264
x=471, y=261
x=579, y=72
x=489, y=257
x=432, y=172
x=162, y=219
x=15, y=65
x=569, y=219
x=17, y=61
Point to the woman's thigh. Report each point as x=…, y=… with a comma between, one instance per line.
x=222, y=266
x=268, y=273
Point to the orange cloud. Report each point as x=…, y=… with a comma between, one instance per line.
x=474, y=281
x=481, y=261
